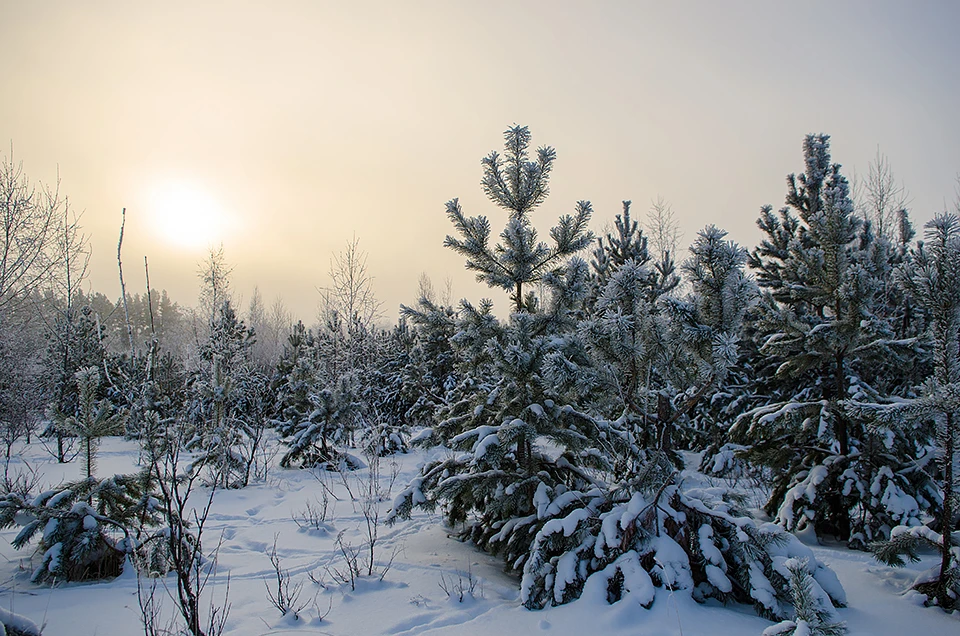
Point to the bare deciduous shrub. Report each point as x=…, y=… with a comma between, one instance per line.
x=286, y=595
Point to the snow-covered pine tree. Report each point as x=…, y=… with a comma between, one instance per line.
x=720, y=295
x=383, y=423
x=76, y=341
x=624, y=544
x=227, y=412
x=932, y=278
x=17, y=625
x=656, y=356
x=85, y=529
x=474, y=376
x=94, y=419
x=503, y=426
x=645, y=531
x=822, y=338
x=430, y=370
x=628, y=339
x=527, y=481
x=342, y=363
x=519, y=185
x=518, y=442
x=294, y=380
x=317, y=394
x=390, y=398
x=625, y=243
x=316, y=438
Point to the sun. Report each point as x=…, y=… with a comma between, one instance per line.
x=186, y=215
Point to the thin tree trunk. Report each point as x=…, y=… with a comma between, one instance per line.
x=840, y=422
x=664, y=410
x=946, y=524
x=153, y=330
x=123, y=289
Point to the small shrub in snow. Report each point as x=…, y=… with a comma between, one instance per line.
x=368, y=492
x=285, y=594
x=813, y=612
x=313, y=516
x=465, y=585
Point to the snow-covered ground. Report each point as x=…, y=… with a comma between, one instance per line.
x=410, y=599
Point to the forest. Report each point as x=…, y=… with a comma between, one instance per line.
x=642, y=417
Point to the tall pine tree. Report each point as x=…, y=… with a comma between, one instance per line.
x=823, y=337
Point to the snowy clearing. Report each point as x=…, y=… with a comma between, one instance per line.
x=410, y=599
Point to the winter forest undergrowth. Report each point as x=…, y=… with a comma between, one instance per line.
x=719, y=441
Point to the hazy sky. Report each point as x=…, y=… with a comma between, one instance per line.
x=284, y=128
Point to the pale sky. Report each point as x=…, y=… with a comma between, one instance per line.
x=283, y=129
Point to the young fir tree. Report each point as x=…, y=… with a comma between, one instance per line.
x=317, y=438
x=933, y=280
x=656, y=355
x=474, y=375
x=823, y=339
x=813, y=612
x=84, y=529
x=713, y=315
x=76, y=341
x=625, y=243
x=507, y=437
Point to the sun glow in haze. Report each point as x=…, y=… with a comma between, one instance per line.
x=186, y=215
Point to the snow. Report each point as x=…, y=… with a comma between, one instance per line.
x=409, y=600
x=422, y=436
x=484, y=445
x=17, y=622
x=672, y=564
x=567, y=525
